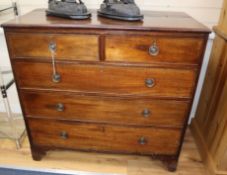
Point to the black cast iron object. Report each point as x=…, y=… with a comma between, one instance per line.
x=72, y=9
x=120, y=9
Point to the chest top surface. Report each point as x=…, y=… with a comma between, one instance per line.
x=153, y=21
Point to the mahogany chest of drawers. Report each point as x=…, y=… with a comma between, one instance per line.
x=104, y=85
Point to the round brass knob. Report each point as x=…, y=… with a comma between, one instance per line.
x=64, y=135
x=56, y=78
x=154, y=49
x=52, y=46
x=146, y=113
x=142, y=141
x=150, y=82
x=60, y=107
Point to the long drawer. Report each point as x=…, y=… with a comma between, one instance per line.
x=68, y=46
x=151, y=49
x=118, y=80
x=125, y=111
x=104, y=138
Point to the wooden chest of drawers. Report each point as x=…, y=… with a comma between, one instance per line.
x=104, y=85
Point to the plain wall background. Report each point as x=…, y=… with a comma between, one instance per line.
x=205, y=11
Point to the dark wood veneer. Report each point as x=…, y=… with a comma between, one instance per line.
x=178, y=83
x=125, y=48
x=102, y=137
x=104, y=65
x=153, y=21
x=123, y=111
x=72, y=47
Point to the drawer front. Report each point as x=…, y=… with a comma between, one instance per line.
x=71, y=47
x=127, y=111
x=104, y=138
x=151, y=49
x=108, y=79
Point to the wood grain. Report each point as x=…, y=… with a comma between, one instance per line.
x=128, y=48
x=153, y=21
x=68, y=46
x=210, y=124
x=119, y=80
x=104, y=138
x=99, y=83
x=223, y=18
x=190, y=162
x=213, y=71
x=115, y=110
x=218, y=148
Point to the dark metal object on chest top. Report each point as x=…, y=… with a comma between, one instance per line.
x=120, y=9
x=73, y=9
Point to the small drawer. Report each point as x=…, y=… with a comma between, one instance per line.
x=115, y=110
x=154, y=49
x=112, y=80
x=104, y=138
x=68, y=46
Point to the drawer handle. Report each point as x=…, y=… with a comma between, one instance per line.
x=154, y=49
x=52, y=46
x=142, y=141
x=64, y=135
x=150, y=82
x=56, y=77
x=146, y=113
x=60, y=107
